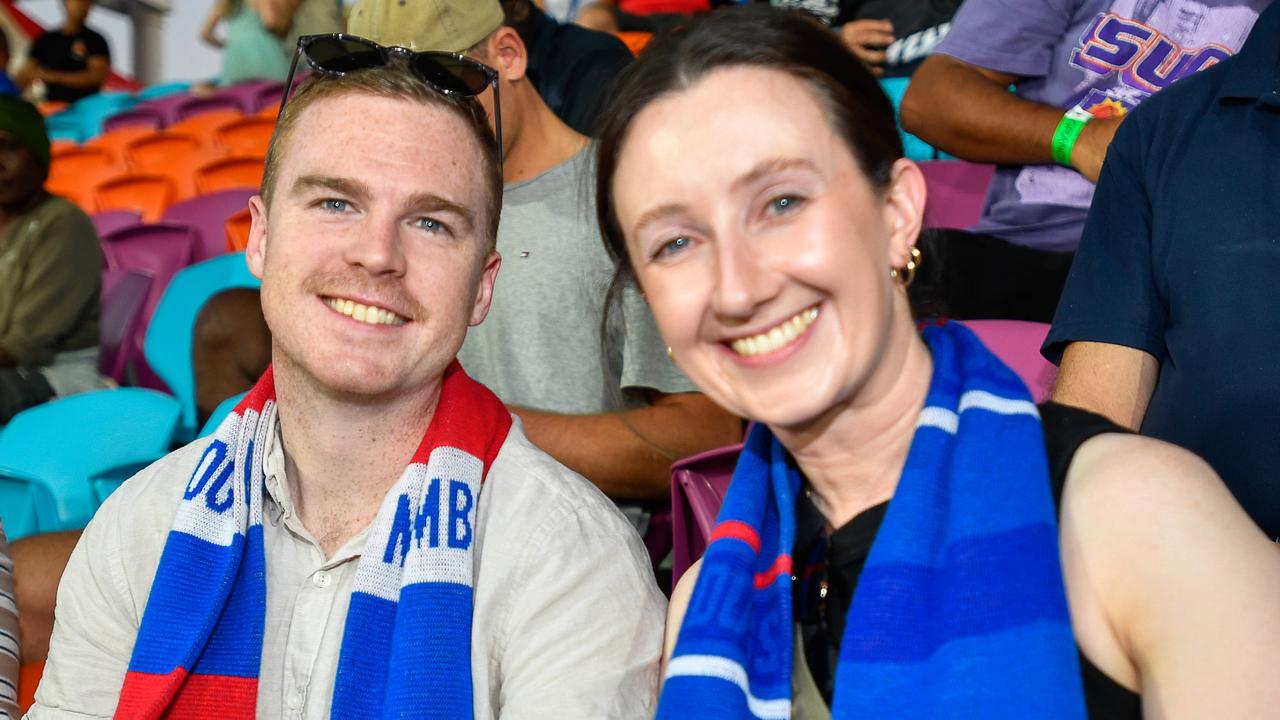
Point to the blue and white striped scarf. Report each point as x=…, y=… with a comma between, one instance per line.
x=960, y=610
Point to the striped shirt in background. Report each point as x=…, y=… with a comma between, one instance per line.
x=8, y=635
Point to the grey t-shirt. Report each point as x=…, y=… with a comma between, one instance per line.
x=540, y=346
x=1101, y=56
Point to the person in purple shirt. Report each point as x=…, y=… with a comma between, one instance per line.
x=1076, y=67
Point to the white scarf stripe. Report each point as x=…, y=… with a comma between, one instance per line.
x=730, y=671
x=948, y=421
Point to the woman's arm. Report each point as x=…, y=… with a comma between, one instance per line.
x=1173, y=589
x=216, y=14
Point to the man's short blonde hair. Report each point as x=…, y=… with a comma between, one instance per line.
x=393, y=80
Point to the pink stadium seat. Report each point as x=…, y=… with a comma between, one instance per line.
x=196, y=106
x=698, y=485
x=1017, y=343
x=957, y=190
x=124, y=295
x=208, y=215
x=137, y=116
x=110, y=221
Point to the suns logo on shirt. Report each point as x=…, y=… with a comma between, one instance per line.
x=1144, y=58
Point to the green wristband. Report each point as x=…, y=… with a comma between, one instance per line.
x=1064, y=138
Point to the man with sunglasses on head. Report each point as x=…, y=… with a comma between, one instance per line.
x=615, y=409
x=291, y=565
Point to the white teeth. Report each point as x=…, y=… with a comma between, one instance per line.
x=777, y=337
x=364, y=313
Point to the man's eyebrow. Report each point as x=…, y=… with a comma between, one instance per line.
x=343, y=186
x=770, y=166
x=432, y=203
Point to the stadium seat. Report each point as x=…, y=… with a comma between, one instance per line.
x=196, y=106
x=698, y=485
x=912, y=146
x=205, y=125
x=93, y=111
x=208, y=215
x=635, y=41
x=172, y=327
x=69, y=453
x=163, y=90
x=957, y=190
x=110, y=221
x=175, y=155
x=74, y=174
x=268, y=97
x=237, y=229
x=230, y=173
x=247, y=137
x=1017, y=344
x=59, y=147
x=145, y=194
x=136, y=117
x=114, y=141
x=124, y=296
x=219, y=413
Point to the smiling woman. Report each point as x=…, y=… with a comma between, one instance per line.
x=751, y=181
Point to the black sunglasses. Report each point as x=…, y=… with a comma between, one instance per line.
x=445, y=72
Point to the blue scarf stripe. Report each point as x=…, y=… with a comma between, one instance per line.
x=731, y=672
x=240, y=628
x=372, y=618
x=439, y=645
x=990, y=584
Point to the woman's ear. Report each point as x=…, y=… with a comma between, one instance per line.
x=904, y=209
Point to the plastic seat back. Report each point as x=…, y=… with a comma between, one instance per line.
x=124, y=295
x=698, y=486
x=247, y=137
x=208, y=215
x=75, y=173
x=230, y=173
x=957, y=191
x=114, y=141
x=164, y=90
x=205, y=126
x=172, y=154
x=237, y=229
x=110, y=221
x=172, y=327
x=1017, y=344
x=268, y=97
x=159, y=250
x=65, y=444
x=148, y=195
x=143, y=118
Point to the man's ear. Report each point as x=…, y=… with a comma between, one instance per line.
x=904, y=210
x=484, y=288
x=508, y=54
x=255, y=252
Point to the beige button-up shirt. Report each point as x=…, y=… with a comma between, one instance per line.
x=567, y=620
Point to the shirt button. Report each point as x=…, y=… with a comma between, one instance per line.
x=321, y=579
x=295, y=700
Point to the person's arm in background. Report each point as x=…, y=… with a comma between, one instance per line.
x=868, y=39
x=216, y=15
x=10, y=662
x=959, y=99
x=277, y=15
x=628, y=454
x=1114, y=381
x=93, y=76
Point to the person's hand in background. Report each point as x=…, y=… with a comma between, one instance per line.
x=868, y=39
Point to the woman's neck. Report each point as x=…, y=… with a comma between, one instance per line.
x=852, y=457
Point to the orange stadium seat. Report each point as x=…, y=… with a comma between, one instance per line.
x=28, y=680
x=228, y=173
x=73, y=174
x=247, y=137
x=149, y=195
x=175, y=155
x=635, y=41
x=205, y=125
x=58, y=147
x=238, y=226
x=115, y=141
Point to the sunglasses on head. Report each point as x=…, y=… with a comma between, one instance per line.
x=445, y=72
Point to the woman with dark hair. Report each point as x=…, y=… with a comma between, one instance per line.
x=906, y=534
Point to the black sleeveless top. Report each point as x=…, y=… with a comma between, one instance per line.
x=828, y=568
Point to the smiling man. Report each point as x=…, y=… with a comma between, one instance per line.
x=292, y=565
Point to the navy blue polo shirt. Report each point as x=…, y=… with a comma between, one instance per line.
x=1180, y=258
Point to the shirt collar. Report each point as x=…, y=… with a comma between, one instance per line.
x=1254, y=73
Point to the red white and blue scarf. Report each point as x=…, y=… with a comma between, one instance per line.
x=406, y=648
x=960, y=610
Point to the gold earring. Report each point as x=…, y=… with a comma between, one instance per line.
x=670, y=355
x=907, y=274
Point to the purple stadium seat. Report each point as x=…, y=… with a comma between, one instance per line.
x=698, y=485
x=208, y=215
x=167, y=106
x=137, y=116
x=110, y=221
x=268, y=96
x=1017, y=343
x=193, y=106
x=957, y=190
x=124, y=293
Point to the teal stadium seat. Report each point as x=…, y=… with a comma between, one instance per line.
x=168, y=343
x=221, y=412
x=912, y=146
x=163, y=90
x=59, y=461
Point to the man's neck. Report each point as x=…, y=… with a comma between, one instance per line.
x=70, y=28
x=853, y=457
x=543, y=140
x=342, y=456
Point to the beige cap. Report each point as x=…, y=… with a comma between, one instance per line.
x=450, y=25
